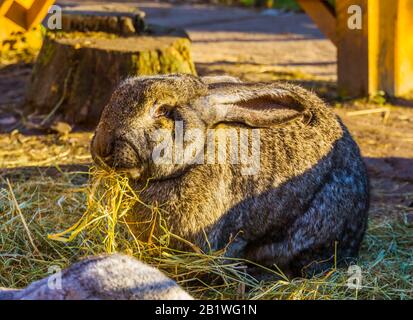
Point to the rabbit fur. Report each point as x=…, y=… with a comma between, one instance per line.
x=104, y=277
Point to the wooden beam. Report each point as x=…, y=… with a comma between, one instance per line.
x=26, y=3
x=323, y=16
x=5, y=6
x=17, y=14
x=37, y=12
x=22, y=16
x=404, y=48
x=25, y=13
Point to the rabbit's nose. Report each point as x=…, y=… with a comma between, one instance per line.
x=103, y=143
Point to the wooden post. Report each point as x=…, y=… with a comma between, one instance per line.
x=355, y=76
x=404, y=48
x=379, y=56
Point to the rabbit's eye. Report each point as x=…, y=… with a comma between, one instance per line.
x=163, y=111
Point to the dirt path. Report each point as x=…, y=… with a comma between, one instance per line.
x=226, y=35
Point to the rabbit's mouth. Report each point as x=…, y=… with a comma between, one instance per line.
x=138, y=174
x=123, y=157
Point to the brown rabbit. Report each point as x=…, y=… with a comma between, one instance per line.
x=305, y=202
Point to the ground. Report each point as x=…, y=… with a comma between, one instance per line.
x=46, y=169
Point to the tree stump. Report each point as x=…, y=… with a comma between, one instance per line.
x=76, y=72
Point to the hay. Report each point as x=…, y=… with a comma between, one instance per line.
x=50, y=204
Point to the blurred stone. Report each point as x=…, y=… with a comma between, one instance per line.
x=8, y=120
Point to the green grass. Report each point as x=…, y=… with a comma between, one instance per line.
x=290, y=5
x=97, y=209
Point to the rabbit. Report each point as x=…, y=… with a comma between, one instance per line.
x=104, y=277
x=304, y=210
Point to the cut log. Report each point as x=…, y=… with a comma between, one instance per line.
x=76, y=72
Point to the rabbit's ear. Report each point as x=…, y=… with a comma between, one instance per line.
x=252, y=104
